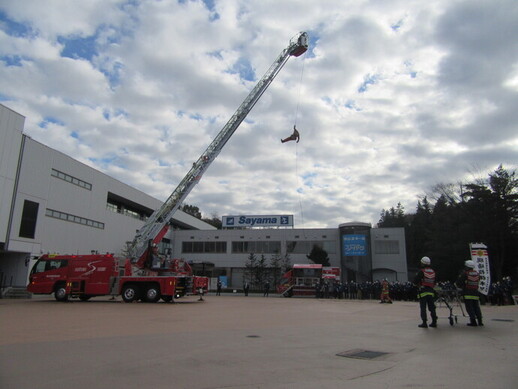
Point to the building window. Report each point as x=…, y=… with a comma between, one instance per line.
x=74, y=219
x=204, y=247
x=70, y=179
x=186, y=247
x=165, y=245
x=273, y=247
x=123, y=206
x=29, y=219
x=386, y=247
x=298, y=247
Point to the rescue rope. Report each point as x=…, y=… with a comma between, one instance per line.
x=301, y=183
x=300, y=89
x=297, y=144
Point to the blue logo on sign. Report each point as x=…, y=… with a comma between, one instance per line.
x=285, y=220
x=355, y=245
x=230, y=221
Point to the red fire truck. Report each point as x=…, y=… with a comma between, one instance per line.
x=146, y=275
x=303, y=279
x=87, y=276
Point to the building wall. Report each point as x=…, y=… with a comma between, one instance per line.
x=389, y=254
x=230, y=259
x=11, y=125
x=386, y=262
x=37, y=184
x=78, y=192
x=232, y=264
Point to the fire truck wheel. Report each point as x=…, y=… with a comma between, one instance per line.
x=130, y=293
x=60, y=294
x=167, y=299
x=84, y=297
x=152, y=294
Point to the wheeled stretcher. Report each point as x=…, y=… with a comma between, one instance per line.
x=451, y=300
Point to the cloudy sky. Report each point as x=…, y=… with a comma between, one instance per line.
x=392, y=98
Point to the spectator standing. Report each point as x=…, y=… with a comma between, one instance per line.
x=266, y=289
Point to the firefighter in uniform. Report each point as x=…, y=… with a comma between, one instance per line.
x=468, y=281
x=385, y=293
x=425, y=281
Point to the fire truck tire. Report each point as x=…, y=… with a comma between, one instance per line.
x=85, y=297
x=152, y=294
x=60, y=294
x=130, y=293
x=167, y=299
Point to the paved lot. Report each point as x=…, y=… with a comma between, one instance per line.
x=250, y=342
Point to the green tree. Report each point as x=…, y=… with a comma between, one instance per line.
x=286, y=263
x=318, y=255
x=256, y=270
x=261, y=273
x=493, y=207
x=395, y=217
x=485, y=210
x=191, y=210
x=275, y=269
x=444, y=244
x=250, y=266
x=214, y=220
x=417, y=232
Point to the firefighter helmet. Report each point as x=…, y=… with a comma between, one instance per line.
x=426, y=261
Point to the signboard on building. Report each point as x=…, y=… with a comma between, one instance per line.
x=332, y=273
x=480, y=256
x=242, y=221
x=354, y=245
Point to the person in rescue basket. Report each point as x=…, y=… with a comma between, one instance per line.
x=468, y=282
x=425, y=281
x=294, y=136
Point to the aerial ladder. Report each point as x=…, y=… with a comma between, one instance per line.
x=158, y=223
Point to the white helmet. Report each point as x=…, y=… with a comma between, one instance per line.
x=469, y=264
x=426, y=261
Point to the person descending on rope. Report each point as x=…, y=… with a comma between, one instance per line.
x=294, y=136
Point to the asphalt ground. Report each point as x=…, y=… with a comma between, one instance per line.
x=234, y=341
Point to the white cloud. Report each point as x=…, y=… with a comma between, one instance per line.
x=393, y=97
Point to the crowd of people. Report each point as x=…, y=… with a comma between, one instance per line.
x=500, y=293
x=399, y=291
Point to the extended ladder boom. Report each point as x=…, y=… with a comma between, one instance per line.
x=157, y=224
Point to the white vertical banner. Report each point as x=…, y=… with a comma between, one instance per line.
x=480, y=256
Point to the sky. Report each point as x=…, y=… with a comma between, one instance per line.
x=391, y=99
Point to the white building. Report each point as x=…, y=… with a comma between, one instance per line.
x=51, y=203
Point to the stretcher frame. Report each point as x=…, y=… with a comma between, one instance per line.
x=451, y=299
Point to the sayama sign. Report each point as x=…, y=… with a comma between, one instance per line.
x=242, y=221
